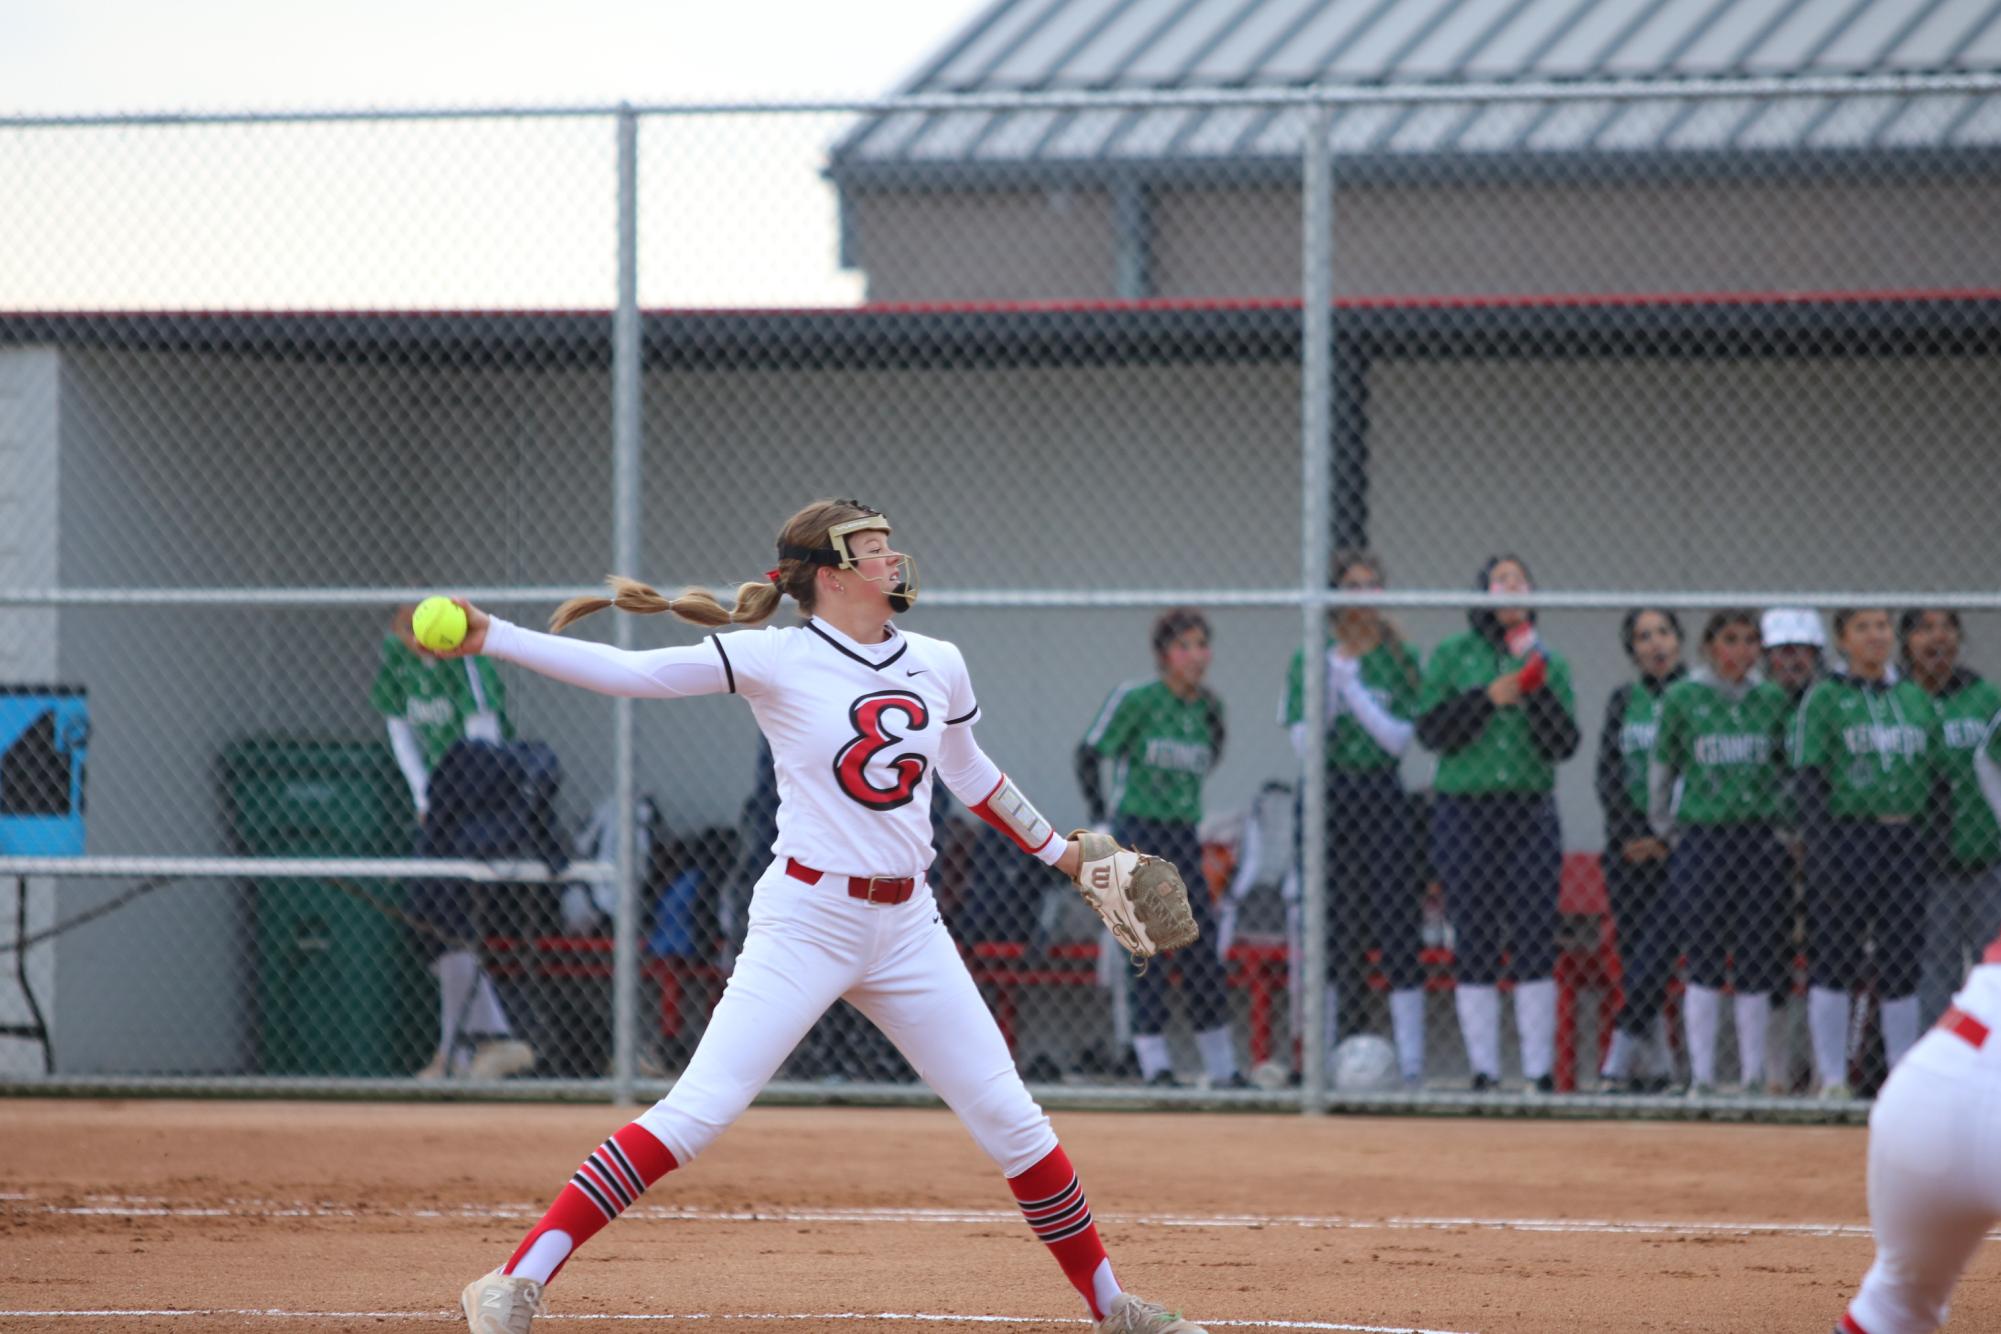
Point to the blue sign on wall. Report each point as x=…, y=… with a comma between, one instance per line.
x=44, y=734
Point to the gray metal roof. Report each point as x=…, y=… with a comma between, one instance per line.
x=1082, y=45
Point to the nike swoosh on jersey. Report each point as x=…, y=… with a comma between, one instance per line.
x=919, y=672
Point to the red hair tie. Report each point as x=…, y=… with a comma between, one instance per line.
x=772, y=575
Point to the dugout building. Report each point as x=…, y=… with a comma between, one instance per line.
x=1743, y=344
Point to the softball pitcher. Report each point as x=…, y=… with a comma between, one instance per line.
x=1934, y=1163
x=860, y=715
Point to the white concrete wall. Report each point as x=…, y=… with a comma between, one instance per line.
x=190, y=470
x=30, y=388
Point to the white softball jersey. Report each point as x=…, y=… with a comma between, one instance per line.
x=857, y=731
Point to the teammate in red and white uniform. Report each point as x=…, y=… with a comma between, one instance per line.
x=861, y=716
x=1934, y=1163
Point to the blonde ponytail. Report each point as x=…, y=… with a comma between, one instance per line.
x=755, y=601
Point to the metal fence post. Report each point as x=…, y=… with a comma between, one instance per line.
x=1316, y=423
x=625, y=390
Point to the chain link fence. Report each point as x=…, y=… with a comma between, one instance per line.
x=1670, y=352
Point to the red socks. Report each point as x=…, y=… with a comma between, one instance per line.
x=621, y=1168
x=1052, y=1200
x=609, y=1180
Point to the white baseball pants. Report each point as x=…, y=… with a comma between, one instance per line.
x=810, y=945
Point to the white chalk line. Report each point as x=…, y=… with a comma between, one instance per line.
x=129, y=1206
x=908, y=1317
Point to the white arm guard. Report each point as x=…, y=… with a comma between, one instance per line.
x=1007, y=810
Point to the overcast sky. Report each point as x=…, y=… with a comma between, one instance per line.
x=152, y=55
x=479, y=214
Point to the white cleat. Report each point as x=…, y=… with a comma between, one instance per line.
x=499, y=1303
x=1131, y=1315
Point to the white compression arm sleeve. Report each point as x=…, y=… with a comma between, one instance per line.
x=964, y=767
x=410, y=759
x=658, y=673
x=1390, y=732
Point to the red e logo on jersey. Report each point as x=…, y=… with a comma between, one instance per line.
x=872, y=737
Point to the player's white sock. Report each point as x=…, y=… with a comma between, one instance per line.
x=1754, y=1011
x=1781, y=1044
x=545, y=1255
x=1900, y=1027
x=1619, y=1058
x=1535, y=1024
x=1701, y=1010
x=1480, y=1025
x=1660, y=1058
x=1827, y=1021
x=468, y=1006
x=487, y=1018
x=1407, y=1025
x=1105, y=1288
x=1151, y=1048
x=1219, y=1053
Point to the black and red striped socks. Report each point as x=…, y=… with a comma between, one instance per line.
x=607, y=1182
x=619, y=1170
x=1052, y=1200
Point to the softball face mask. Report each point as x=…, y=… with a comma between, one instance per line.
x=839, y=555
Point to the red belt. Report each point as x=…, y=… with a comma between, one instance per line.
x=871, y=888
x=1963, y=1026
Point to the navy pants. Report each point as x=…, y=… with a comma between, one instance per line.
x=1500, y=858
x=1866, y=881
x=1732, y=887
x=1642, y=912
x=1372, y=873
x=1204, y=987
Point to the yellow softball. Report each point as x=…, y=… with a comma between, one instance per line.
x=439, y=624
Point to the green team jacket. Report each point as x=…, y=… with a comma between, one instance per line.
x=1161, y=746
x=1878, y=744
x=1483, y=750
x=1967, y=709
x=1725, y=749
x=1389, y=671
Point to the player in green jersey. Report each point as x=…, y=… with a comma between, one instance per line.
x=1795, y=656
x=1713, y=791
x=1497, y=708
x=431, y=704
x=1634, y=860
x=1162, y=737
x=1795, y=649
x=1372, y=876
x=1963, y=903
x=1867, y=748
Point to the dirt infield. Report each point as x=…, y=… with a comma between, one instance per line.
x=337, y=1216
